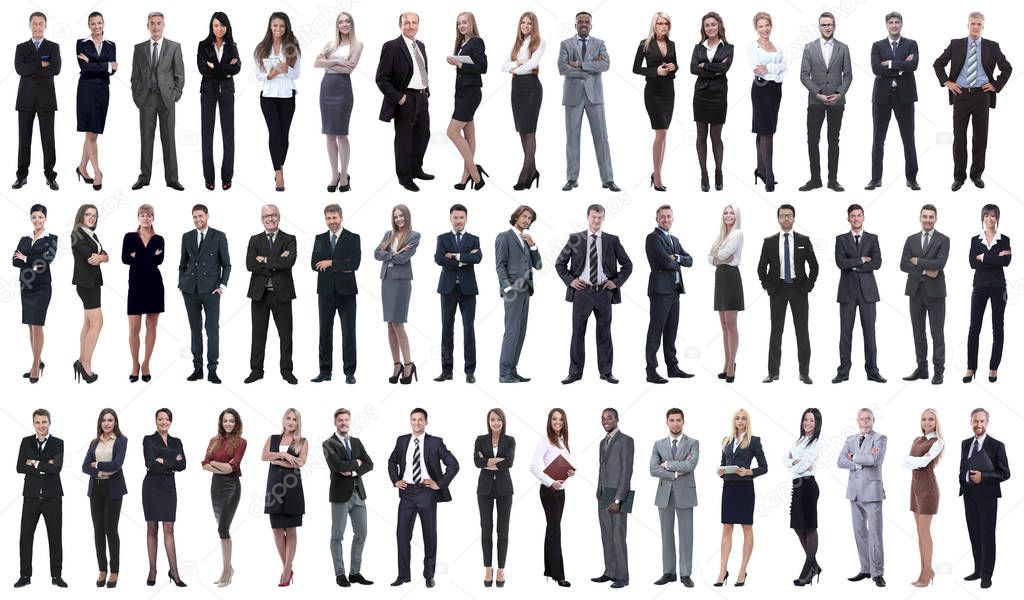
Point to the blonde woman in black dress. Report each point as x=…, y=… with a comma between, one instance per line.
x=285, y=501
x=768, y=65
x=710, y=62
x=739, y=449
x=143, y=252
x=32, y=258
x=468, y=84
x=338, y=60
x=659, y=54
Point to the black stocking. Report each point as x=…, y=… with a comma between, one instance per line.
x=529, y=142
x=702, y=149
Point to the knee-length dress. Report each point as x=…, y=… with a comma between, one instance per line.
x=93, y=98
x=924, y=489
x=145, y=284
x=159, y=494
x=285, y=501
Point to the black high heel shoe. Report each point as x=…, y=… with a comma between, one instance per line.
x=704, y=185
x=81, y=374
x=741, y=583
x=719, y=183
x=483, y=173
x=348, y=185
x=462, y=184
x=758, y=176
x=333, y=187
x=657, y=188
x=722, y=582
x=970, y=378
x=146, y=377
x=805, y=578
x=731, y=378
x=97, y=186
x=28, y=374
x=82, y=176
x=991, y=378
x=398, y=373
x=151, y=581
x=210, y=186
x=133, y=378
x=412, y=373
x=816, y=570
x=177, y=581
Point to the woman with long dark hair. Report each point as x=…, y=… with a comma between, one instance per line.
x=338, y=60
x=468, y=94
x=710, y=62
x=143, y=251
x=493, y=454
x=395, y=253
x=277, y=59
x=164, y=455
x=224, y=459
x=285, y=501
x=218, y=62
x=803, y=511
x=88, y=279
x=527, y=93
x=32, y=257
x=552, y=493
x=659, y=54
x=103, y=462
x=97, y=61
x=990, y=254
x=925, y=453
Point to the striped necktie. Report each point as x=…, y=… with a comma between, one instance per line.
x=417, y=475
x=972, y=63
x=593, y=259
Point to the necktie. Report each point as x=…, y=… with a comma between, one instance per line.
x=39, y=446
x=607, y=441
x=856, y=242
x=583, y=49
x=787, y=272
x=976, y=448
x=201, y=237
x=270, y=240
x=154, y=57
x=458, y=241
x=37, y=43
x=417, y=476
x=675, y=447
x=421, y=65
x=894, y=46
x=334, y=241
x=927, y=241
x=861, y=442
x=593, y=259
x=972, y=63
x=348, y=449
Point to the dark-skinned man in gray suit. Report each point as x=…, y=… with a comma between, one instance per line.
x=615, y=471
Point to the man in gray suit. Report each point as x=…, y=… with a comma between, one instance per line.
x=516, y=256
x=862, y=455
x=826, y=72
x=158, y=77
x=673, y=461
x=924, y=262
x=581, y=60
x=858, y=257
x=614, y=473
x=202, y=277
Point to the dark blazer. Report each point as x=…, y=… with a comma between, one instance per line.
x=514, y=263
x=462, y=268
x=497, y=482
x=394, y=72
x=712, y=76
x=468, y=76
x=35, y=88
x=97, y=69
x=44, y=481
x=153, y=448
x=955, y=55
x=933, y=259
x=653, y=59
x=573, y=259
x=203, y=269
x=340, y=462
x=663, y=266
x=902, y=70
x=769, y=267
x=278, y=268
x=854, y=273
x=82, y=247
x=35, y=269
x=743, y=457
x=220, y=78
x=988, y=272
x=118, y=488
x=990, y=480
x=170, y=72
x=434, y=453
x=341, y=277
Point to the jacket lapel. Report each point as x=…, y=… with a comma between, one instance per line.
x=405, y=51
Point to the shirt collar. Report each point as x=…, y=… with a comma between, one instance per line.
x=664, y=231
x=674, y=438
x=998, y=237
x=206, y=230
x=981, y=440
x=895, y=41
x=705, y=44
x=159, y=41
x=923, y=232
x=827, y=42
x=931, y=436
x=463, y=232
x=597, y=233
x=739, y=439
x=783, y=233
x=338, y=233
x=419, y=437
x=407, y=40
x=860, y=233
x=340, y=437
x=39, y=41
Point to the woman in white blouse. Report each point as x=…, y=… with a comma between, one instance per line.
x=527, y=94
x=338, y=60
x=769, y=66
x=277, y=67
x=803, y=512
x=725, y=256
x=925, y=453
x=552, y=494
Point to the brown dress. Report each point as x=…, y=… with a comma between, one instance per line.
x=924, y=490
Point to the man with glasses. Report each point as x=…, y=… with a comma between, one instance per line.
x=826, y=72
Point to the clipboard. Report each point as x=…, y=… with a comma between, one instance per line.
x=608, y=497
x=269, y=63
x=558, y=469
x=466, y=60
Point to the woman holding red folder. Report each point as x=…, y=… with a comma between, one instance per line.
x=552, y=457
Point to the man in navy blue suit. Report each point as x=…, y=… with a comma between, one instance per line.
x=457, y=252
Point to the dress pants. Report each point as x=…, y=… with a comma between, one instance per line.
x=486, y=504
x=613, y=540
x=553, y=503
x=881, y=112
x=847, y=316
x=106, y=512
x=661, y=331
x=934, y=309
x=195, y=306
x=25, y=120
x=209, y=103
x=153, y=109
x=278, y=113
x=788, y=294
x=466, y=304
x=969, y=106
x=867, y=531
x=50, y=510
x=979, y=298
x=272, y=303
x=416, y=501
x=517, y=311
x=412, y=134
x=599, y=302
x=672, y=518
x=354, y=508
x=344, y=305
x=598, y=130
x=980, y=508
x=816, y=115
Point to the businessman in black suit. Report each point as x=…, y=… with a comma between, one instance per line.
x=972, y=92
x=983, y=466
x=36, y=61
x=858, y=257
x=924, y=261
x=335, y=259
x=402, y=78
x=893, y=60
x=667, y=258
x=202, y=278
x=270, y=258
x=415, y=468
x=348, y=460
x=787, y=270
x=40, y=459
x=456, y=253
x=593, y=265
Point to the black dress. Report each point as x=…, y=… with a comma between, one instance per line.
x=710, y=92
x=284, y=501
x=159, y=495
x=738, y=492
x=145, y=285
x=468, y=82
x=34, y=277
x=94, y=84
x=660, y=91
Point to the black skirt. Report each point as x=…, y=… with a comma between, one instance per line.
x=710, y=106
x=765, y=97
x=34, y=303
x=159, y=498
x=738, y=503
x=91, y=104
x=527, y=94
x=660, y=101
x=467, y=100
x=90, y=296
x=803, y=510
x=728, y=288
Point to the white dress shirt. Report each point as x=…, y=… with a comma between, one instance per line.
x=544, y=455
x=826, y=49
x=995, y=240
x=711, y=49
x=530, y=61
x=408, y=458
x=782, y=254
x=281, y=86
x=774, y=62
x=585, y=275
x=732, y=246
x=89, y=233
x=807, y=454
x=919, y=462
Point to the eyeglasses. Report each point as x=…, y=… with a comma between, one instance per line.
x=789, y=216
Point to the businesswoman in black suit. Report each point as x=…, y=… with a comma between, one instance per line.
x=990, y=253
x=32, y=257
x=218, y=63
x=103, y=463
x=527, y=94
x=710, y=62
x=659, y=54
x=97, y=61
x=88, y=279
x=280, y=51
x=338, y=60
x=739, y=449
x=143, y=252
x=285, y=501
x=164, y=455
x=493, y=454
x=468, y=84
x=395, y=253
x=224, y=459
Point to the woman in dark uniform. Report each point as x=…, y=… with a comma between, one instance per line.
x=527, y=94
x=338, y=60
x=461, y=129
x=284, y=501
x=97, y=61
x=659, y=54
x=143, y=252
x=739, y=449
x=925, y=453
x=88, y=279
x=493, y=453
x=164, y=455
x=710, y=62
x=801, y=461
x=990, y=254
x=33, y=257
x=218, y=61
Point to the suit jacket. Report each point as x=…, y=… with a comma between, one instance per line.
x=35, y=269
x=865, y=481
x=819, y=78
x=514, y=262
x=573, y=259
x=664, y=267
x=341, y=277
x=676, y=481
x=653, y=59
x=278, y=268
x=712, y=76
x=153, y=448
x=582, y=85
x=769, y=266
x=170, y=72
x=461, y=269
x=82, y=247
x=42, y=481
x=394, y=72
x=615, y=465
x=97, y=70
x=339, y=461
x=990, y=480
x=116, y=483
x=988, y=272
x=397, y=265
x=932, y=259
x=955, y=55
x=203, y=268
x=468, y=76
x=220, y=77
x=498, y=483
x=434, y=454
x=744, y=457
x=901, y=71
x=35, y=88
x=855, y=274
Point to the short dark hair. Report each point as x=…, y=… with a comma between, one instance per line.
x=342, y=411
x=333, y=208
x=674, y=411
x=828, y=15
x=595, y=208
x=930, y=207
x=894, y=15
x=37, y=208
x=990, y=209
x=583, y=12
x=422, y=411
x=201, y=207
x=853, y=207
x=519, y=212
x=614, y=412
x=458, y=207
x=41, y=412
x=783, y=207
x=37, y=14
x=170, y=415
x=94, y=13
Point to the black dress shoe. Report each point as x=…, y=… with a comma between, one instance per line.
x=957, y=184
x=677, y=372
x=321, y=377
x=508, y=379
x=876, y=377
x=174, y=185
x=196, y=375
x=912, y=184
x=860, y=577
x=686, y=581
x=139, y=184
x=918, y=373
x=52, y=184
x=810, y=185
x=358, y=578
x=342, y=581
x=840, y=378
x=835, y=187
x=470, y=378
x=565, y=188
x=610, y=185
x=986, y=582
x=601, y=579
x=770, y=378
x=399, y=581
x=212, y=376
x=520, y=377
x=937, y=379
x=410, y=185
x=972, y=577
x=609, y=378
x=666, y=578
x=254, y=376
x=57, y=581
x=423, y=176
x=655, y=378
x=564, y=583
x=879, y=581
x=619, y=584
x=805, y=379
x=350, y=379
x=873, y=184
x=444, y=376
x=572, y=378
x=17, y=185
x=290, y=378
x=978, y=183
x=22, y=582
x=429, y=582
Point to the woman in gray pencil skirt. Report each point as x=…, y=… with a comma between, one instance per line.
x=395, y=253
x=338, y=60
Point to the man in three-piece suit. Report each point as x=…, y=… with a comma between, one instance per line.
x=36, y=61
x=924, y=262
x=202, y=277
x=347, y=458
x=270, y=257
x=858, y=256
x=983, y=466
x=593, y=265
x=402, y=78
x=863, y=455
x=158, y=77
x=673, y=461
x=335, y=259
x=666, y=257
x=40, y=458
x=581, y=60
x=787, y=270
x=456, y=253
x=515, y=258
x=826, y=72
x=972, y=92
x=615, y=469
x=415, y=468
x=893, y=60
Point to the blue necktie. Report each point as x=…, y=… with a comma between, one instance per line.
x=458, y=241
x=583, y=49
x=348, y=449
x=675, y=447
x=972, y=63
x=334, y=241
x=37, y=43
x=787, y=273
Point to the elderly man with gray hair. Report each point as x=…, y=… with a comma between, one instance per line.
x=983, y=466
x=270, y=258
x=862, y=455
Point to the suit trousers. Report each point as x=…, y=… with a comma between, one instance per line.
x=672, y=518
x=585, y=302
x=598, y=130
x=412, y=134
x=613, y=540
x=921, y=306
x=867, y=531
x=344, y=305
x=105, y=512
x=412, y=502
x=341, y=512
x=553, y=503
x=152, y=110
x=208, y=104
x=979, y=298
x=50, y=510
x=486, y=504
x=25, y=121
x=881, y=113
x=278, y=113
x=272, y=303
x=967, y=107
x=466, y=304
x=980, y=508
x=517, y=311
x=847, y=316
x=662, y=329
x=788, y=294
x=195, y=306
x=816, y=116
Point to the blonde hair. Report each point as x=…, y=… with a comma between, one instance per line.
x=297, y=436
x=722, y=230
x=747, y=434
x=353, y=42
x=145, y=209
x=473, y=31
x=938, y=432
x=762, y=16
x=654, y=21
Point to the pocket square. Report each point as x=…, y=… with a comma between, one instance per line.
x=801, y=247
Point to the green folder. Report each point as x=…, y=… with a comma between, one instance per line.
x=608, y=497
